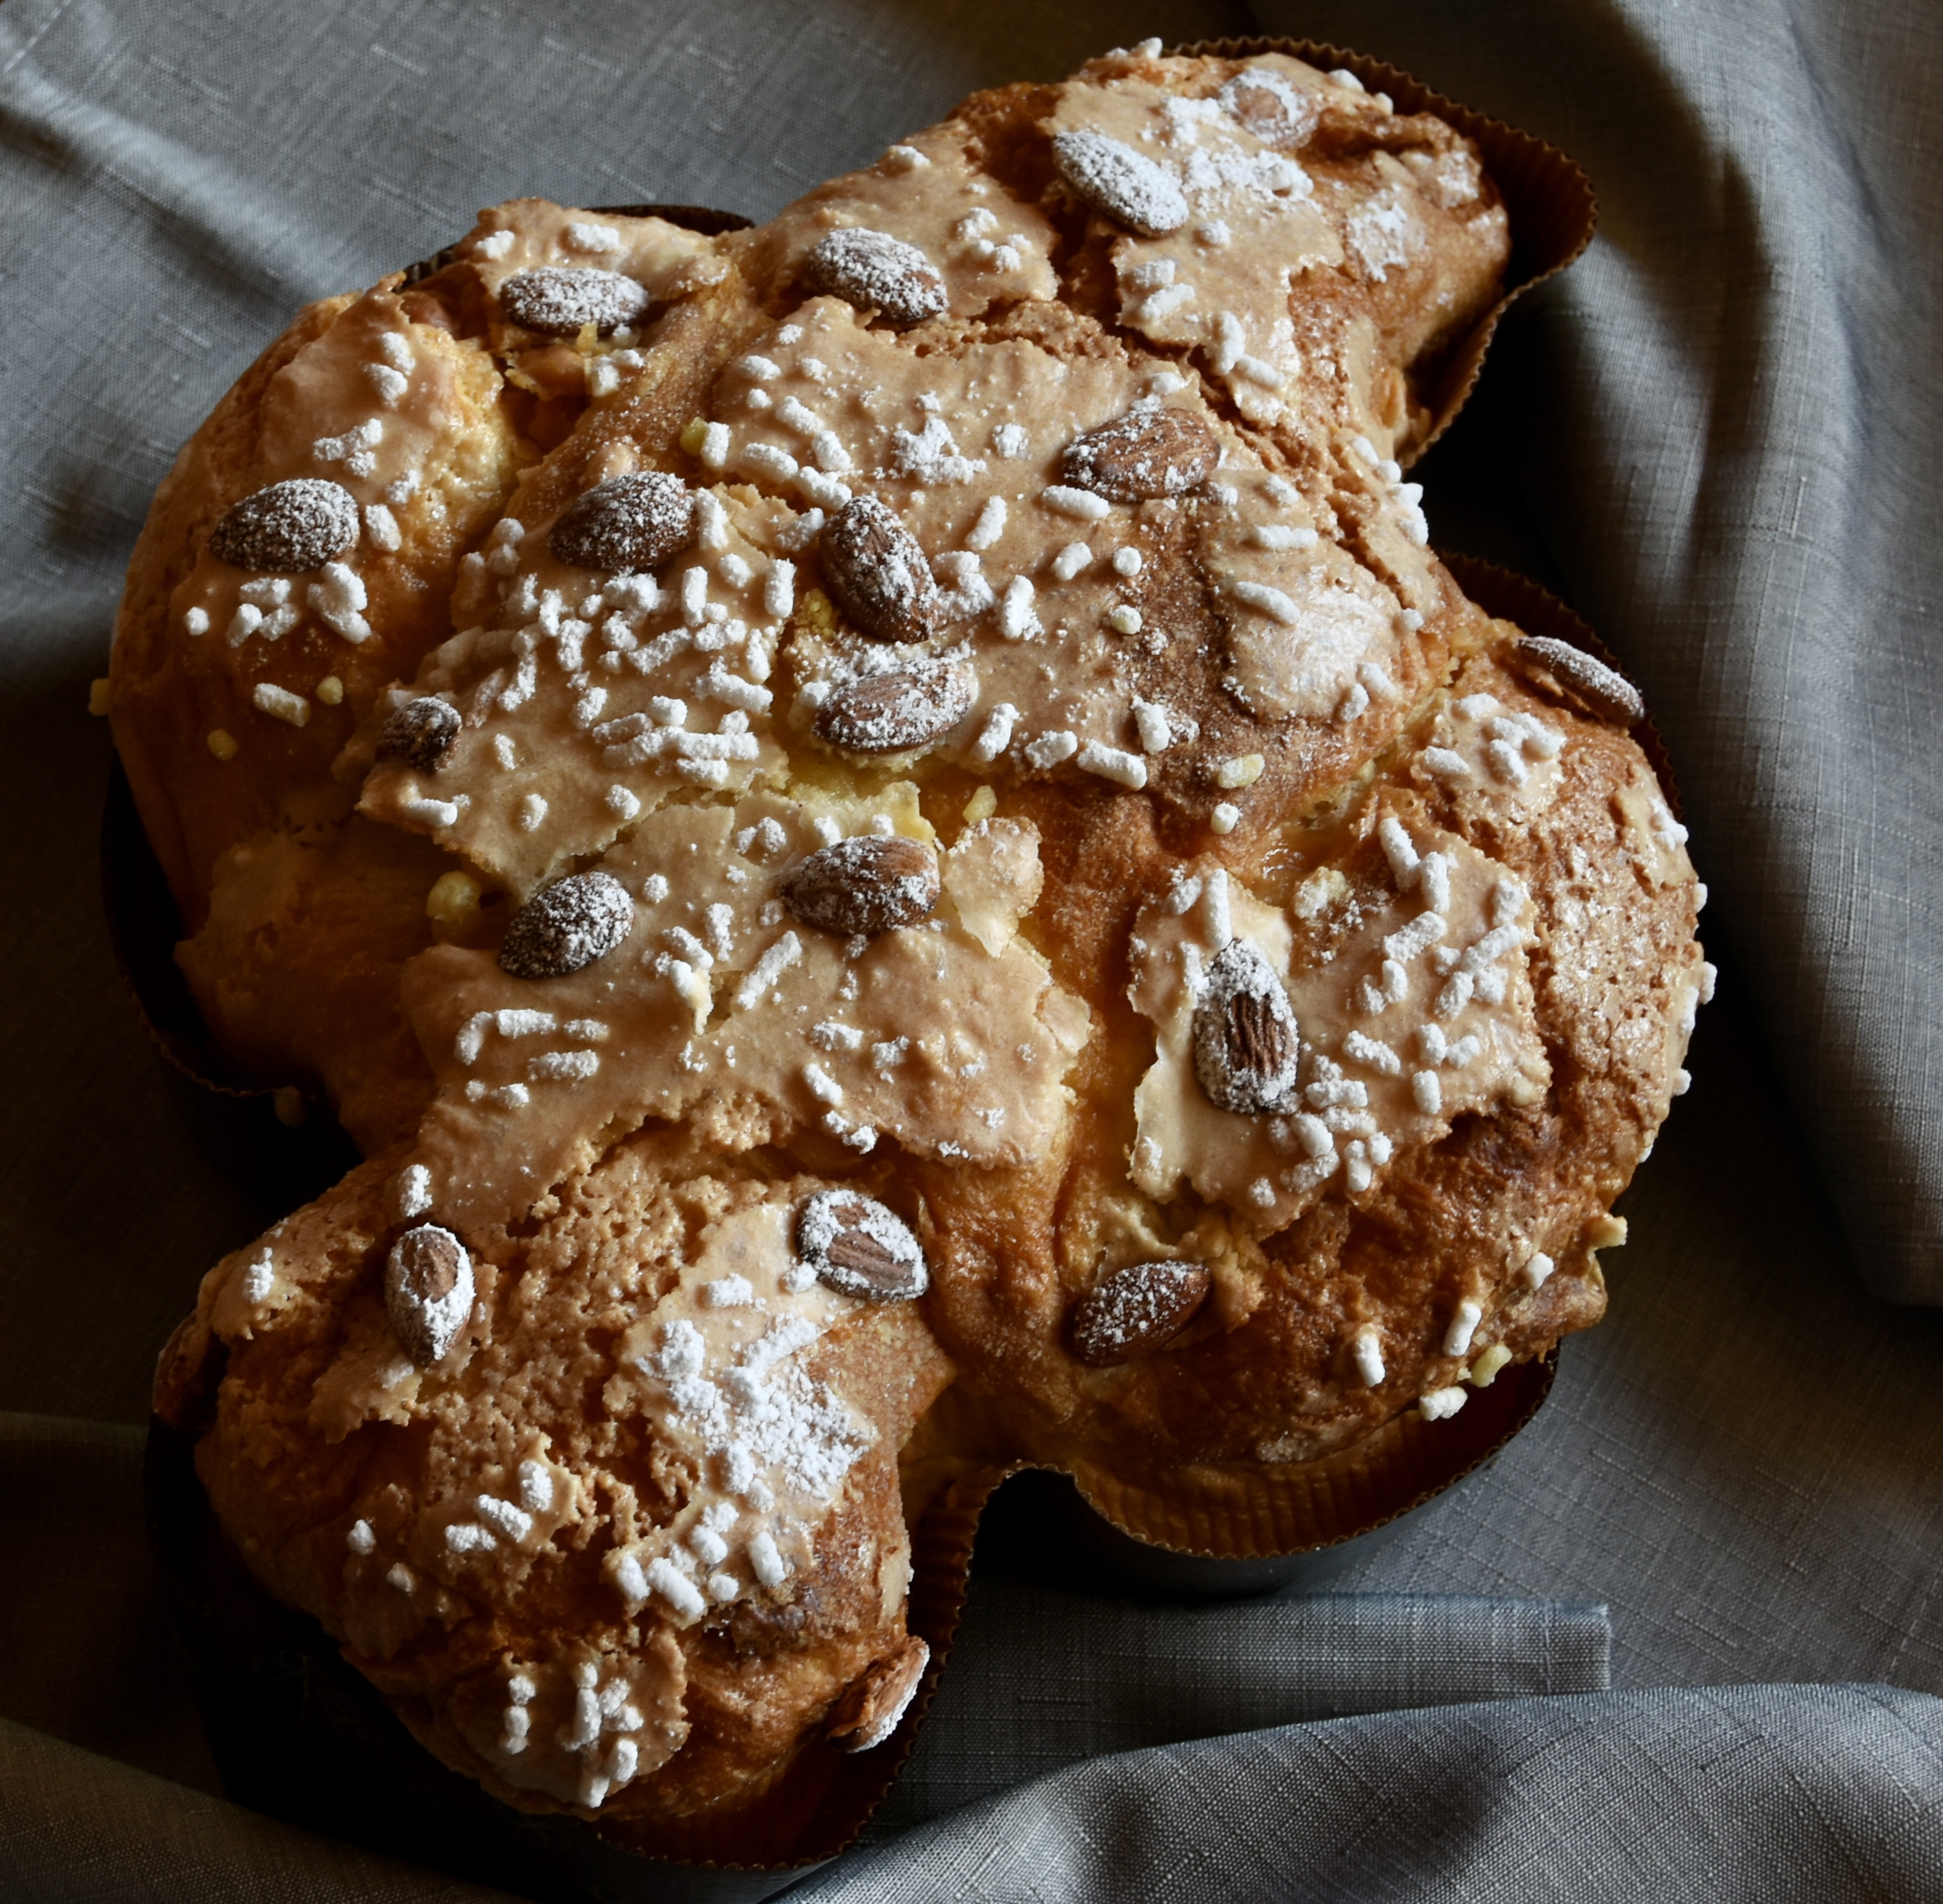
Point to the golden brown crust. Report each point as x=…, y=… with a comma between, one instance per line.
x=154, y=734
x=295, y=967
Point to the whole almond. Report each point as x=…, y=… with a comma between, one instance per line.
x=868, y=1712
x=428, y=1291
x=1276, y=112
x=1120, y=183
x=1146, y=454
x=558, y=300
x=1573, y=676
x=567, y=926
x=422, y=733
x=876, y=573
x=1246, y=1049
x=870, y=884
x=876, y=272
x=1136, y=1310
x=894, y=713
x=288, y=529
x=627, y=524
x=860, y=1248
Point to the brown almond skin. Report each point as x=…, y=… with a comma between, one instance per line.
x=1579, y=680
x=289, y=528
x=627, y=524
x=833, y=1237
x=565, y=927
x=1245, y=1049
x=425, y=1266
x=422, y=734
x=1143, y=455
x=431, y=1257
x=891, y=714
x=1137, y=1310
x=876, y=573
x=875, y=272
x=555, y=300
x=871, y=884
x=863, y=1258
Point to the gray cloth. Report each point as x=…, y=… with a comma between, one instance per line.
x=89, y=1654
x=1040, y=1679
x=76, y=1828
x=1710, y=435
x=1753, y=1795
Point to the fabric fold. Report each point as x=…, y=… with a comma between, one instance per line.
x=1740, y=1795
x=76, y=1827
x=1040, y=1679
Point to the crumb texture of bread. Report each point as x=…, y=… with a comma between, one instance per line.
x=889, y=806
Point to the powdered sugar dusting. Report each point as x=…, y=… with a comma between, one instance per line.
x=1123, y=185
x=719, y=1366
x=875, y=272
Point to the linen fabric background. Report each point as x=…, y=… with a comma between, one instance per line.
x=1712, y=436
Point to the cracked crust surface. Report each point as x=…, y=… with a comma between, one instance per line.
x=648, y=1500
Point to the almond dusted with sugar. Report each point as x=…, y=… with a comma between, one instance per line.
x=1145, y=454
x=1120, y=183
x=289, y=528
x=1577, y=678
x=566, y=927
x=1278, y=114
x=1247, y=1050
x=860, y=1248
x=871, y=884
x=869, y=1711
x=894, y=713
x=875, y=272
x=428, y=1291
x=559, y=300
x=627, y=524
x=1136, y=1310
x=876, y=573
x=422, y=733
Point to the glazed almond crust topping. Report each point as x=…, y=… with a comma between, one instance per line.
x=969, y=839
